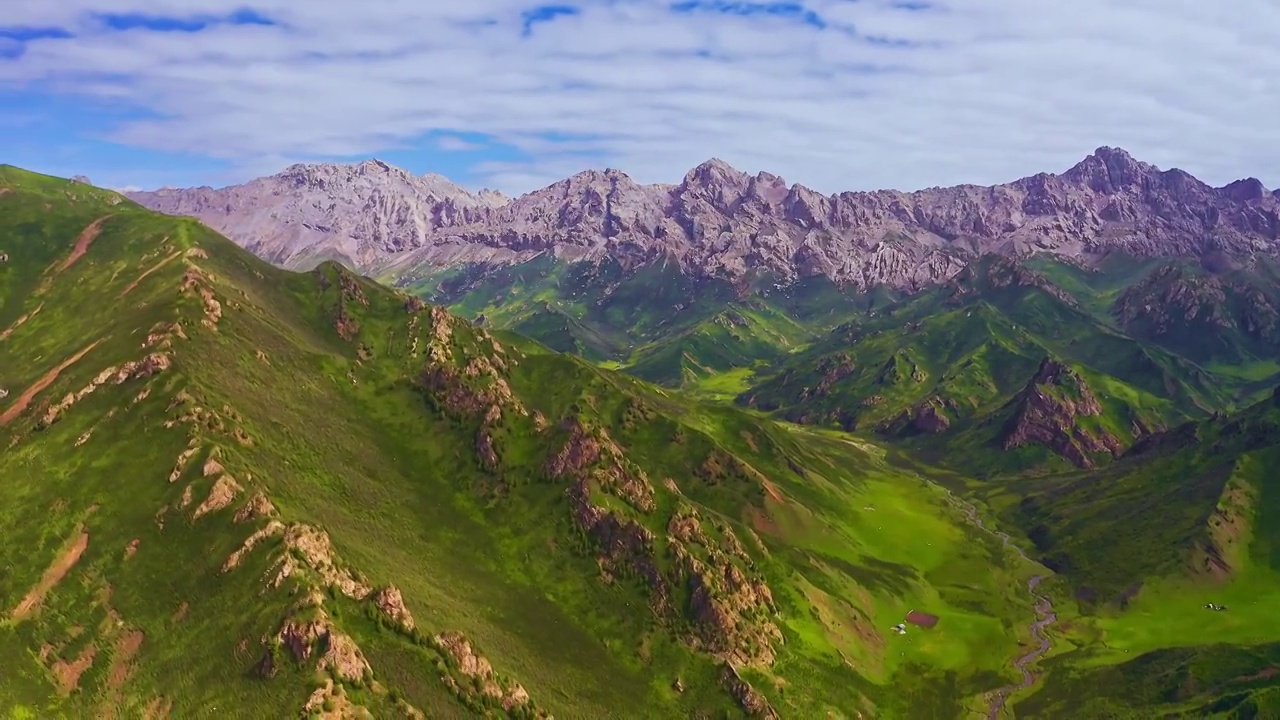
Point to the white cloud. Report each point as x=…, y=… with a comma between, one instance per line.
x=989, y=90
x=453, y=143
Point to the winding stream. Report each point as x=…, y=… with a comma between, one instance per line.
x=1045, y=615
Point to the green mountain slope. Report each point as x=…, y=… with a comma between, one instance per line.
x=1186, y=519
x=954, y=361
x=655, y=322
x=229, y=486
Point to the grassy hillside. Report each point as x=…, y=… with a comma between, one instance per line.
x=1225, y=318
x=229, y=486
x=1185, y=520
x=948, y=369
x=654, y=321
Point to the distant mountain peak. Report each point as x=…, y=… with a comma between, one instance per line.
x=1246, y=190
x=715, y=170
x=721, y=222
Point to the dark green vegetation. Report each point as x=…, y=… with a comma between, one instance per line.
x=230, y=488
x=655, y=321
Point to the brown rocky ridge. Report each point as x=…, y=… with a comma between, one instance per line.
x=1047, y=412
x=1175, y=297
x=720, y=222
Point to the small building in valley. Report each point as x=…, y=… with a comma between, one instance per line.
x=922, y=619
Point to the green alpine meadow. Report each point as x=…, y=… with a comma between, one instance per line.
x=553, y=489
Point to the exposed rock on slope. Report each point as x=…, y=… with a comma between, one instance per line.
x=1048, y=412
x=1178, y=301
x=721, y=222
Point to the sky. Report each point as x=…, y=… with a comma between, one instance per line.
x=512, y=94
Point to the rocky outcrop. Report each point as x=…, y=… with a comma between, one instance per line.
x=1048, y=411
x=319, y=638
x=197, y=281
x=590, y=461
x=474, y=667
x=994, y=273
x=350, y=297
x=1176, y=298
x=312, y=546
x=719, y=222
x=223, y=493
x=152, y=364
x=391, y=604
x=929, y=417
x=753, y=703
x=730, y=605
x=592, y=456
x=469, y=386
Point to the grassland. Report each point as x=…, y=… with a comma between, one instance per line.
x=614, y=547
x=369, y=442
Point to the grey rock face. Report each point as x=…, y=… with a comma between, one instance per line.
x=721, y=222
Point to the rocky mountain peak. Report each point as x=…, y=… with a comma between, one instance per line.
x=1109, y=170
x=715, y=172
x=1246, y=190
x=1048, y=413
x=721, y=222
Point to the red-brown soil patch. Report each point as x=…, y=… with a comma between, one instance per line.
x=762, y=522
x=83, y=241
x=148, y=271
x=67, y=674
x=922, y=619
x=30, y=393
x=52, y=576
x=126, y=648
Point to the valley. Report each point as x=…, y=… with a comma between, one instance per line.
x=549, y=486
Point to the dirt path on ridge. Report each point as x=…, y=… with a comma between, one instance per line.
x=83, y=241
x=52, y=576
x=22, y=401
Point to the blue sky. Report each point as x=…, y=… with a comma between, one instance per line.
x=835, y=94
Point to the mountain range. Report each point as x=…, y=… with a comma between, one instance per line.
x=724, y=224
x=1031, y=484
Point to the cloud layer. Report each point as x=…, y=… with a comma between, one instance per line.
x=836, y=94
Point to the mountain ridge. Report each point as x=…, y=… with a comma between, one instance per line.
x=719, y=222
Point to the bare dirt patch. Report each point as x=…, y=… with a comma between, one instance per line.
x=762, y=522
x=158, y=709
x=67, y=674
x=127, y=648
x=18, y=323
x=774, y=493
x=83, y=241
x=148, y=271
x=52, y=576
x=181, y=614
x=30, y=393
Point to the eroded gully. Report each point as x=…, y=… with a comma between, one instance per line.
x=1043, y=607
